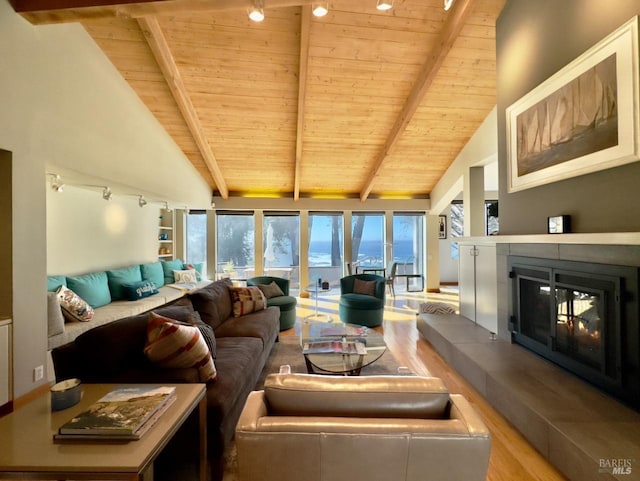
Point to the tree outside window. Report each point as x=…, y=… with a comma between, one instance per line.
x=235, y=241
x=282, y=247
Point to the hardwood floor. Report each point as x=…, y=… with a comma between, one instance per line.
x=512, y=457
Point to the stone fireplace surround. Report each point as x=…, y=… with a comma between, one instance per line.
x=581, y=430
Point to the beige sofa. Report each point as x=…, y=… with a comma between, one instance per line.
x=330, y=428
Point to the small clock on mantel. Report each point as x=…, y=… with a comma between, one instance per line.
x=559, y=224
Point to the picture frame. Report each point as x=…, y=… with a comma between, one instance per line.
x=442, y=227
x=582, y=119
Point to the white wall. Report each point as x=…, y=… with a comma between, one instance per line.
x=448, y=266
x=481, y=150
x=85, y=233
x=63, y=104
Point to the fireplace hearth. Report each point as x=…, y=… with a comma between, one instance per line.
x=581, y=316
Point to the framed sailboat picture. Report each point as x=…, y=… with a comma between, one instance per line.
x=582, y=119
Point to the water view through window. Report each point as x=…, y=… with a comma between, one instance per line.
x=367, y=240
x=325, y=247
x=408, y=243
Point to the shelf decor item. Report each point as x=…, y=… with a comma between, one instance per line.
x=580, y=120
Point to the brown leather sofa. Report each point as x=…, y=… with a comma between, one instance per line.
x=330, y=428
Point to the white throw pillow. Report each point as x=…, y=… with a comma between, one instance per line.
x=188, y=275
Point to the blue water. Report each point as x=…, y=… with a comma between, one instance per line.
x=371, y=252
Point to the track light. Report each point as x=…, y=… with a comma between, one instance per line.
x=385, y=5
x=56, y=183
x=141, y=201
x=106, y=193
x=256, y=12
x=448, y=4
x=320, y=9
x=166, y=206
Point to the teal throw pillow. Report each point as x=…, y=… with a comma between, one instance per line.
x=168, y=267
x=153, y=272
x=54, y=282
x=118, y=277
x=93, y=288
x=137, y=290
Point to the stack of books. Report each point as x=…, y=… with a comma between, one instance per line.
x=124, y=414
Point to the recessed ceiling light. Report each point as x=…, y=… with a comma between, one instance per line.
x=256, y=12
x=320, y=9
x=448, y=3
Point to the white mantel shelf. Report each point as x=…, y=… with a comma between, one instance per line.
x=612, y=238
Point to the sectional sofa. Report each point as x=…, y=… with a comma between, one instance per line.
x=114, y=353
x=103, y=291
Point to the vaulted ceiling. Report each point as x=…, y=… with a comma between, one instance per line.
x=358, y=103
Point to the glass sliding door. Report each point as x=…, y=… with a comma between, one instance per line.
x=235, y=245
x=282, y=246
x=367, y=241
x=326, y=243
x=409, y=244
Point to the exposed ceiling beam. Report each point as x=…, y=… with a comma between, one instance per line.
x=61, y=11
x=450, y=31
x=305, y=25
x=158, y=44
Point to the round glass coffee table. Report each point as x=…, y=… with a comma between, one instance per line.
x=338, y=348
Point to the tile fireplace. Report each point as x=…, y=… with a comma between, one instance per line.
x=582, y=316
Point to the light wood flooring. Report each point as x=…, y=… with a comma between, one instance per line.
x=512, y=457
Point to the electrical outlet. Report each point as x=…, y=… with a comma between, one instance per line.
x=38, y=373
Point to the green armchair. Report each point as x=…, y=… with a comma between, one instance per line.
x=362, y=299
x=286, y=303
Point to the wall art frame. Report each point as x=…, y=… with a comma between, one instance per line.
x=442, y=227
x=583, y=119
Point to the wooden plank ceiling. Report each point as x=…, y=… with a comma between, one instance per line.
x=358, y=103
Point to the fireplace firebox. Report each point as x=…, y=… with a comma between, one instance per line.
x=581, y=316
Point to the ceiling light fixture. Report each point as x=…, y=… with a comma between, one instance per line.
x=385, y=5
x=141, y=201
x=56, y=183
x=106, y=193
x=320, y=9
x=166, y=206
x=256, y=12
x=448, y=4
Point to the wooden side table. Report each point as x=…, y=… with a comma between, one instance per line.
x=28, y=451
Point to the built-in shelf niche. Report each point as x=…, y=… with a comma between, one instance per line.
x=166, y=240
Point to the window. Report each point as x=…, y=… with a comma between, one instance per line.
x=196, y=227
x=457, y=227
x=325, y=247
x=491, y=217
x=408, y=242
x=235, y=240
x=282, y=247
x=367, y=237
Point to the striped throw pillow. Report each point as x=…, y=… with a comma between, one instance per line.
x=176, y=344
x=246, y=300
